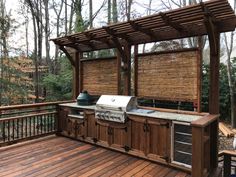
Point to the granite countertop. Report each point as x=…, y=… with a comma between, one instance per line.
x=165, y=115
x=75, y=105
x=145, y=113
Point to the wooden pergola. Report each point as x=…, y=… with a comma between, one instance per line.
x=207, y=18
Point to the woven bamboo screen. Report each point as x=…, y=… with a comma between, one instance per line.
x=99, y=76
x=169, y=76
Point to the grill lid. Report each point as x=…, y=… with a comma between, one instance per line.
x=116, y=102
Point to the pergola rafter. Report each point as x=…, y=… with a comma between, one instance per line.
x=175, y=24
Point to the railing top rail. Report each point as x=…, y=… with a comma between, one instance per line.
x=4, y=108
x=227, y=152
x=24, y=116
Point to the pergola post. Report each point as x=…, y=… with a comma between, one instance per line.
x=214, y=95
x=127, y=69
x=76, y=74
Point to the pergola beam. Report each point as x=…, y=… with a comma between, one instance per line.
x=67, y=55
x=138, y=27
x=72, y=39
x=116, y=42
x=90, y=38
x=173, y=24
x=75, y=46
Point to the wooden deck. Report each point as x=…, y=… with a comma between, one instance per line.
x=59, y=156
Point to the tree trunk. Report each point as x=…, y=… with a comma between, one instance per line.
x=36, y=79
x=128, y=8
x=148, y=13
x=109, y=12
x=47, y=35
x=114, y=11
x=71, y=17
x=58, y=15
x=66, y=18
x=91, y=14
x=79, y=23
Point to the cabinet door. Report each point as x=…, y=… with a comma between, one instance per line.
x=80, y=129
x=119, y=135
x=91, y=125
x=103, y=132
x=71, y=128
x=158, y=139
x=62, y=120
x=138, y=134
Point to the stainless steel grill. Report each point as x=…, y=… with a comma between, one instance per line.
x=114, y=107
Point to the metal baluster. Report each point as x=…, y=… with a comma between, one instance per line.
x=17, y=128
x=26, y=126
x=1, y=124
x=54, y=122
x=41, y=123
x=13, y=129
x=34, y=125
x=38, y=126
x=51, y=120
x=47, y=120
x=44, y=122
x=22, y=128
x=3, y=131
x=30, y=126
x=8, y=131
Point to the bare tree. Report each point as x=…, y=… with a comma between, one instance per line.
x=72, y=12
x=35, y=18
x=114, y=11
x=148, y=13
x=109, y=12
x=47, y=34
x=66, y=17
x=57, y=7
x=128, y=8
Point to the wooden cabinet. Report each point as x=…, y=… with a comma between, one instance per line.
x=119, y=136
x=138, y=134
x=76, y=128
x=151, y=137
x=103, y=132
x=141, y=136
x=62, y=120
x=72, y=123
x=91, y=126
x=113, y=134
x=158, y=139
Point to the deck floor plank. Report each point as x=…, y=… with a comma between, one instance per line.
x=60, y=156
x=42, y=160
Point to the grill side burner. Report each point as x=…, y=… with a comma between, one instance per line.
x=114, y=107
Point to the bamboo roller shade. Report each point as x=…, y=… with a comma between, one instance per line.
x=100, y=76
x=169, y=76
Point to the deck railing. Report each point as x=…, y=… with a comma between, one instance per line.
x=23, y=122
x=227, y=159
